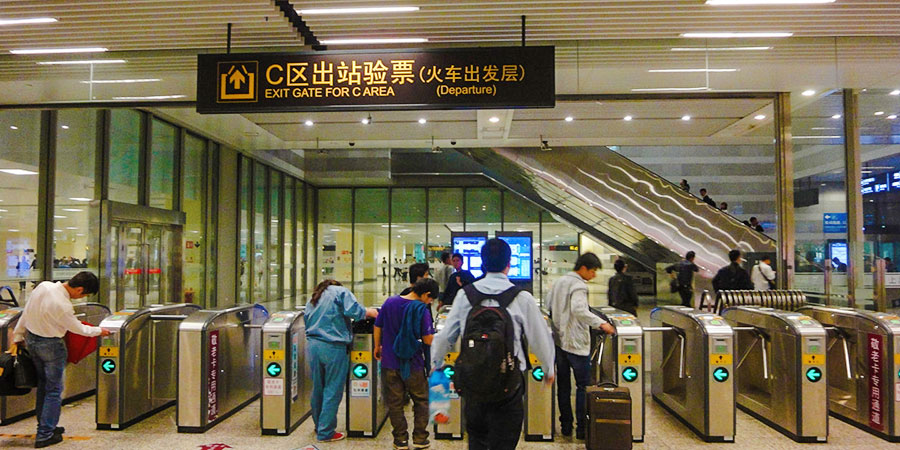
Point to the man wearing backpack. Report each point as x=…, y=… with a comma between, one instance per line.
x=732, y=277
x=494, y=316
x=572, y=320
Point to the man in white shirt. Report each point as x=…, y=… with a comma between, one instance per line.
x=572, y=320
x=762, y=275
x=442, y=274
x=47, y=317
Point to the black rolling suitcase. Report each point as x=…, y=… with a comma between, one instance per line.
x=609, y=417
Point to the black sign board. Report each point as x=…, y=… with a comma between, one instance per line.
x=459, y=78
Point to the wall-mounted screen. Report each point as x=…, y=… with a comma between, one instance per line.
x=469, y=246
x=521, y=258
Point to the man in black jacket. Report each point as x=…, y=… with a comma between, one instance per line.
x=457, y=280
x=621, y=289
x=685, y=277
x=732, y=277
x=707, y=200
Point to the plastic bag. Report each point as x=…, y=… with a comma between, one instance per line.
x=439, y=395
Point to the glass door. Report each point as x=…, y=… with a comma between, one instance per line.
x=131, y=282
x=153, y=246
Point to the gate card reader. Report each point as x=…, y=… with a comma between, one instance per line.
x=366, y=409
x=780, y=370
x=286, y=381
x=862, y=365
x=540, y=404
x=692, y=370
x=620, y=359
x=457, y=425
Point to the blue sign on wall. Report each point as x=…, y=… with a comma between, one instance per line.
x=834, y=223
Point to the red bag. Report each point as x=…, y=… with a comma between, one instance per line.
x=79, y=346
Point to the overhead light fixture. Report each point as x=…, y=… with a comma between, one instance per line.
x=423, y=121
x=817, y=137
x=64, y=127
x=366, y=120
x=685, y=118
x=690, y=70
x=494, y=119
x=80, y=199
x=879, y=113
x=627, y=118
x=72, y=210
x=892, y=117
x=674, y=89
x=50, y=51
x=569, y=118
x=308, y=123
x=726, y=35
x=13, y=127
x=808, y=93
x=30, y=21
x=84, y=61
x=836, y=116
x=128, y=81
x=60, y=217
x=71, y=228
x=760, y=116
x=13, y=230
x=765, y=2
x=823, y=128
x=151, y=97
x=373, y=41
x=18, y=172
x=895, y=92
x=721, y=49
x=373, y=10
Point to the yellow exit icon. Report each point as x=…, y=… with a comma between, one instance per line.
x=237, y=81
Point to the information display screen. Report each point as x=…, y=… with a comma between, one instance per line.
x=838, y=250
x=470, y=248
x=520, y=260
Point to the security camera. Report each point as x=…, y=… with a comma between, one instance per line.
x=352, y=143
x=452, y=142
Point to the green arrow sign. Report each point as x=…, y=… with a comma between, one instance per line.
x=108, y=366
x=814, y=374
x=449, y=371
x=273, y=369
x=360, y=370
x=720, y=374
x=538, y=373
x=629, y=374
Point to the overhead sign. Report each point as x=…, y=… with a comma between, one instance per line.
x=834, y=223
x=485, y=77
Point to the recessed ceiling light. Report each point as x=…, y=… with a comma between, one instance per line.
x=308, y=123
x=627, y=118
x=892, y=117
x=878, y=113
x=60, y=217
x=18, y=172
x=80, y=199
x=127, y=80
x=30, y=21
x=373, y=10
x=365, y=121
x=689, y=70
x=823, y=128
x=373, y=41
x=64, y=127
x=808, y=93
x=50, y=51
x=836, y=116
x=715, y=35
x=13, y=230
x=4, y=210
x=494, y=119
x=720, y=49
x=765, y=2
x=895, y=92
x=83, y=61
x=335, y=229
x=760, y=116
x=817, y=137
x=13, y=127
x=72, y=209
x=685, y=118
x=151, y=97
x=675, y=89
x=423, y=121
x=569, y=118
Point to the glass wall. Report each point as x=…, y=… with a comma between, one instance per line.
x=193, y=203
x=260, y=261
x=244, y=251
x=124, y=155
x=408, y=235
x=335, y=242
x=288, y=246
x=445, y=213
x=274, y=268
x=162, y=164
x=371, y=237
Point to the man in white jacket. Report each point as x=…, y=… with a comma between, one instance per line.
x=572, y=320
x=762, y=275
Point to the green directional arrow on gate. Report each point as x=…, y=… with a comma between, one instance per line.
x=273, y=369
x=360, y=371
x=449, y=371
x=538, y=373
x=720, y=374
x=108, y=366
x=629, y=374
x=814, y=374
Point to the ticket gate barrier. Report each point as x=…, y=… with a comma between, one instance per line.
x=366, y=409
x=456, y=427
x=286, y=379
x=862, y=365
x=218, y=364
x=780, y=370
x=136, y=371
x=619, y=359
x=693, y=370
x=80, y=379
x=540, y=400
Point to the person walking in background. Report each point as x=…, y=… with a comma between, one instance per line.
x=456, y=282
x=733, y=277
x=442, y=274
x=47, y=317
x=889, y=265
x=417, y=271
x=684, y=185
x=706, y=199
x=572, y=320
x=621, y=289
x=328, y=314
x=684, y=278
x=754, y=223
x=762, y=275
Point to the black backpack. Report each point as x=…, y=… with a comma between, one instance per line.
x=487, y=368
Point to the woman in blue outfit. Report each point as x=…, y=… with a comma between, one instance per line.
x=328, y=336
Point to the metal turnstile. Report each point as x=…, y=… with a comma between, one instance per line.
x=366, y=409
x=218, y=364
x=619, y=359
x=136, y=371
x=863, y=361
x=693, y=370
x=286, y=381
x=780, y=370
x=456, y=428
x=80, y=379
x=540, y=400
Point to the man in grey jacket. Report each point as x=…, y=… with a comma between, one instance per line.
x=572, y=321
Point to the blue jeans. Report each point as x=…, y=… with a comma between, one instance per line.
x=329, y=364
x=49, y=356
x=581, y=367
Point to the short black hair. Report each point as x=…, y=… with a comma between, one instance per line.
x=689, y=255
x=427, y=285
x=457, y=255
x=495, y=255
x=444, y=257
x=86, y=280
x=416, y=271
x=753, y=218
x=703, y=189
x=589, y=261
x=734, y=255
x=619, y=265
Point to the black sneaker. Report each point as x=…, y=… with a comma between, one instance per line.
x=59, y=430
x=566, y=429
x=55, y=439
x=421, y=445
x=401, y=445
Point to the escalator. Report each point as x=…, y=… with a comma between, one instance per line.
x=622, y=204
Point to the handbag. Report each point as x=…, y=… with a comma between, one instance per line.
x=24, y=370
x=8, y=376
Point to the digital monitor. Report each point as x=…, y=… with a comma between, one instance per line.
x=838, y=250
x=520, y=263
x=469, y=246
